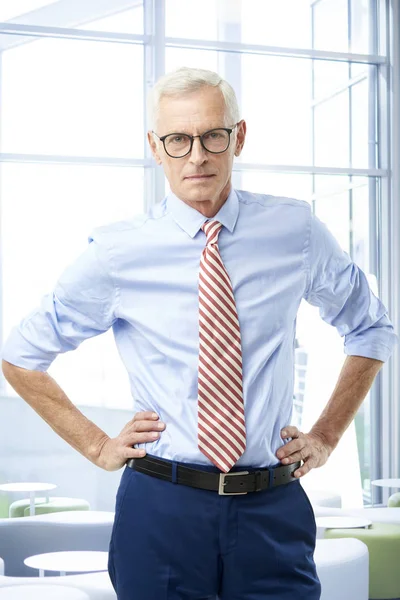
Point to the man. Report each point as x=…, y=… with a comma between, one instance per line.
x=202, y=293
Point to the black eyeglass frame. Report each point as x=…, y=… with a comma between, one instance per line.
x=192, y=138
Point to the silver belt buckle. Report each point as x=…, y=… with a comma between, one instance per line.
x=222, y=483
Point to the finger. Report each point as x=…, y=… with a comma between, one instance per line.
x=302, y=454
x=290, y=431
x=147, y=414
x=289, y=448
x=134, y=453
x=146, y=426
x=140, y=437
x=305, y=468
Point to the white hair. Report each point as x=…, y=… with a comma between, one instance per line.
x=185, y=80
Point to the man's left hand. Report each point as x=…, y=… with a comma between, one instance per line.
x=308, y=447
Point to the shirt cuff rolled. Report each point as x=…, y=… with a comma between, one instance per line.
x=18, y=351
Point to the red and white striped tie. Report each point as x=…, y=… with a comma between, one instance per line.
x=221, y=423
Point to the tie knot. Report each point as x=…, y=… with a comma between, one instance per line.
x=212, y=229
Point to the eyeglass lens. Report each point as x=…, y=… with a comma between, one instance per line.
x=216, y=140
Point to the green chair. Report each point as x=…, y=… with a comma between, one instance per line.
x=4, y=505
x=394, y=500
x=20, y=508
x=383, y=541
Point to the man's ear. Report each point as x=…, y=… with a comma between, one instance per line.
x=153, y=147
x=240, y=137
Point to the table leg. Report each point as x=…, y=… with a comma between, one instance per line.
x=31, y=503
x=41, y=572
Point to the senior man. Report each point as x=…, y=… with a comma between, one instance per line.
x=202, y=294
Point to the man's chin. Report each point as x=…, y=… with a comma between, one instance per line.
x=201, y=195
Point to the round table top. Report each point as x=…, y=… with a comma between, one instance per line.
x=395, y=483
x=72, y=560
x=27, y=487
x=42, y=592
x=342, y=522
x=77, y=517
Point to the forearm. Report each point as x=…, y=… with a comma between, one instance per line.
x=355, y=379
x=46, y=397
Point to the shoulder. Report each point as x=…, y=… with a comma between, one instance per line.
x=117, y=230
x=269, y=201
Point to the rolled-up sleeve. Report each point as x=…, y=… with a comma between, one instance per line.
x=82, y=305
x=341, y=291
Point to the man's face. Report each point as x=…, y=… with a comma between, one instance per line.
x=201, y=179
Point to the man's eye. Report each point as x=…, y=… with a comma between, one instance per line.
x=178, y=139
x=214, y=135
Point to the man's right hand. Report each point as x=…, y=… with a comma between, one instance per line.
x=116, y=451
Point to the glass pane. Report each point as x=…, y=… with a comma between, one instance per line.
x=326, y=185
x=126, y=21
x=360, y=126
x=329, y=76
x=358, y=69
x=360, y=223
x=252, y=21
x=331, y=25
x=196, y=20
x=10, y=9
x=80, y=198
x=361, y=255
x=103, y=16
x=334, y=211
x=272, y=23
x=331, y=131
x=361, y=19
x=195, y=59
x=290, y=185
x=73, y=97
x=342, y=201
x=279, y=121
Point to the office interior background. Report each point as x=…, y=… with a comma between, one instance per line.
x=318, y=85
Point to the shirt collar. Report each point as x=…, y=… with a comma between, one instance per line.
x=191, y=220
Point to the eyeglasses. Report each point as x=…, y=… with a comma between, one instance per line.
x=178, y=145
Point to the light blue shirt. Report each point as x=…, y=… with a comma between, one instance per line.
x=140, y=277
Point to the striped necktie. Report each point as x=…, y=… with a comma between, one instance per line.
x=221, y=423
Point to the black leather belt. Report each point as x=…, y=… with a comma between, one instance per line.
x=238, y=482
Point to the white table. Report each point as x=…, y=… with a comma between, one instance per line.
x=390, y=483
x=394, y=483
x=342, y=522
x=77, y=517
x=69, y=561
x=32, y=488
x=41, y=592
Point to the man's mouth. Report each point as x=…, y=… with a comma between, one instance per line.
x=199, y=176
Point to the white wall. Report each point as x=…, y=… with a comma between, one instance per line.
x=31, y=451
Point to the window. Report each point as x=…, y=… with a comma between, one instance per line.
x=73, y=81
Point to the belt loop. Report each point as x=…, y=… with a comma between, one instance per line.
x=174, y=472
x=271, y=477
x=257, y=481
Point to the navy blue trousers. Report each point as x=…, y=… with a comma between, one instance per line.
x=175, y=542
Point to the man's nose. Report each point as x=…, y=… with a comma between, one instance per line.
x=198, y=155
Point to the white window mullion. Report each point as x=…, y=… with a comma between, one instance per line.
x=154, y=67
x=394, y=273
